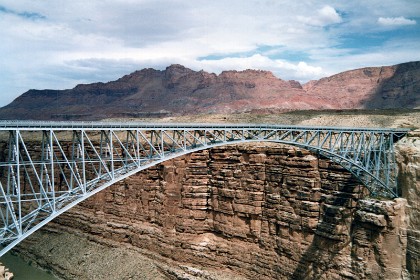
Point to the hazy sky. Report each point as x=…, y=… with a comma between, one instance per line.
x=57, y=44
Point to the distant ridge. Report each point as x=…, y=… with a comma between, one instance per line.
x=178, y=90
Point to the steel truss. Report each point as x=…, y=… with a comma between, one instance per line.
x=48, y=167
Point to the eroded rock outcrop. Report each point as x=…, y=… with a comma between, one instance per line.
x=263, y=212
x=5, y=274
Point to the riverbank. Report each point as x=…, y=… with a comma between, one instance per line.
x=75, y=255
x=23, y=270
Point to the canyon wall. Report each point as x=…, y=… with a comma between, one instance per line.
x=408, y=158
x=261, y=211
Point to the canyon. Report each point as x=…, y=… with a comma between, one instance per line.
x=178, y=91
x=260, y=211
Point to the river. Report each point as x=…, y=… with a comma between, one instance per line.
x=23, y=270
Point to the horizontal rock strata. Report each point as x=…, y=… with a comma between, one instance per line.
x=408, y=158
x=263, y=212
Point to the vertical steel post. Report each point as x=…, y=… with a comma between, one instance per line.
x=111, y=148
x=162, y=144
x=18, y=194
x=101, y=155
x=82, y=155
x=52, y=180
x=10, y=159
x=392, y=164
x=138, y=147
x=72, y=161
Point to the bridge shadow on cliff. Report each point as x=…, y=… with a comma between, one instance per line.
x=323, y=257
x=400, y=91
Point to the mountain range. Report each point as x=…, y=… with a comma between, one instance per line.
x=178, y=90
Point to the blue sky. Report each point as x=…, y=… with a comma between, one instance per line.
x=58, y=44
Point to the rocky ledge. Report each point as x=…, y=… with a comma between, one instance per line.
x=5, y=274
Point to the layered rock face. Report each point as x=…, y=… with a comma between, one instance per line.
x=408, y=152
x=265, y=212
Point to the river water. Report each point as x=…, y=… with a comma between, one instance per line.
x=23, y=270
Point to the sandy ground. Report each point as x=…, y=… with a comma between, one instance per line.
x=352, y=118
x=73, y=256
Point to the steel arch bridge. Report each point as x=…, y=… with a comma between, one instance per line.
x=48, y=167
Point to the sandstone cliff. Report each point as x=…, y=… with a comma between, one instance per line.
x=408, y=151
x=260, y=212
x=178, y=90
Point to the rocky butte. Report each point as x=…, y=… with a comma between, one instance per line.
x=178, y=90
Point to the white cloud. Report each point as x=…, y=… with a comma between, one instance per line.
x=395, y=21
x=323, y=17
x=300, y=71
x=305, y=71
x=328, y=15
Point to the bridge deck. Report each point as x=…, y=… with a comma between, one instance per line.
x=42, y=125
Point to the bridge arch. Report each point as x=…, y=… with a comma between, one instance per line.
x=52, y=167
